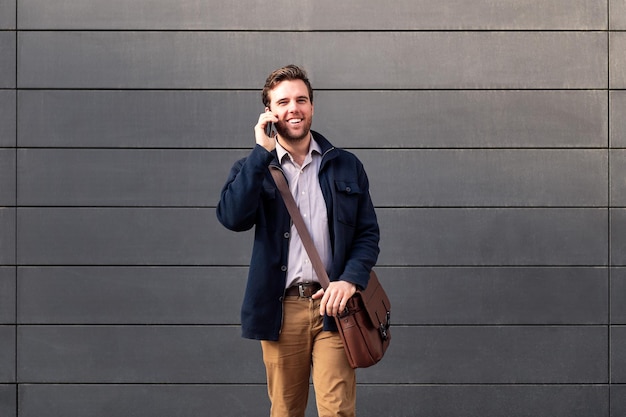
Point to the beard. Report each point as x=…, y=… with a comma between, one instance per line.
x=286, y=133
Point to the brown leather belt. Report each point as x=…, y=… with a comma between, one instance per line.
x=303, y=289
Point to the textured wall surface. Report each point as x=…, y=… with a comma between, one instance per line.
x=494, y=135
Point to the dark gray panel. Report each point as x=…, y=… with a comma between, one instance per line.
x=319, y=15
x=135, y=354
x=195, y=177
x=194, y=237
x=7, y=177
x=617, y=58
x=224, y=119
x=7, y=295
x=7, y=15
x=8, y=406
x=493, y=237
x=483, y=401
x=618, y=354
x=93, y=295
x=618, y=400
x=187, y=178
x=374, y=401
x=7, y=118
x=144, y=400
x=163, y=119
x=618, y=121
x=493, y=355
x=205, y=59
x=473, y=296
x=420, y=295
x=128, y=237
x=7, y=63
x=618, y=289
x=7, y=234
x=456, y=119
x=184, y=354
x=492, y=178
x=617, y=17
x=618, y=237
x=7, y=354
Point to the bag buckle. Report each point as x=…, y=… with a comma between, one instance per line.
x=382, y=328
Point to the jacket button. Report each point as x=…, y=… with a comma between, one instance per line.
x=286, y=235
x=283, y=268
x=348, y=189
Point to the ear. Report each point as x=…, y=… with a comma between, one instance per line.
x=267, y=109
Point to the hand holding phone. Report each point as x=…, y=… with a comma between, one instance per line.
x=265, y=132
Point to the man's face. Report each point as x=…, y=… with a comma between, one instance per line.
x=290, y=102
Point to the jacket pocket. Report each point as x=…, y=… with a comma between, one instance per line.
x=347, y=201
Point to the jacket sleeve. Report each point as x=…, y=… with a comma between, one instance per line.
x=240, y=196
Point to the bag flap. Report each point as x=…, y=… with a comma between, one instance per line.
x=376, y=301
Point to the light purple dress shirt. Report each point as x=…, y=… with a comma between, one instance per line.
x=305, y=188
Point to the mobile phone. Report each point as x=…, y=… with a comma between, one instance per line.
x=268, y=129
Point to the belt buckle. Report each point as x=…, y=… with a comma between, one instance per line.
x=301, y=286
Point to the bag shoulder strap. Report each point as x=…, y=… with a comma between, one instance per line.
x=296, y=217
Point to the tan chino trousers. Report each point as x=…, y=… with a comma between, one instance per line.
x=304, y=350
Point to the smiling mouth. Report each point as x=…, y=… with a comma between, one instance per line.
x=294, y=121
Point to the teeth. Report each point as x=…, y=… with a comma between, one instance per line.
x=293, y=121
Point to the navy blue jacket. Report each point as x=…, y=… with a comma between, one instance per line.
x=250, y=199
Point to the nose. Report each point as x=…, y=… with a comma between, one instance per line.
x=293, y=106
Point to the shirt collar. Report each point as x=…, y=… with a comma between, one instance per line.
x=282, y=152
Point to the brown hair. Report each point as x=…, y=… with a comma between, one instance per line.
x=289, y=72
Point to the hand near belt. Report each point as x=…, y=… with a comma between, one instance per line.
x=335, y=298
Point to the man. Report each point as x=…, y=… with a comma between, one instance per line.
x=284, y=305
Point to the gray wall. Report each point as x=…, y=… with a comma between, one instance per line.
x=495, y=139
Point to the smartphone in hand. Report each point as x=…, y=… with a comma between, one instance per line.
x=268, y=129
